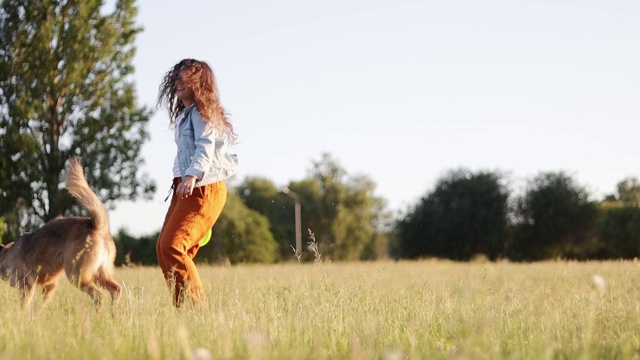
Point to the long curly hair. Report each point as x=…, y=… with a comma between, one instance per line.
x=197, y=76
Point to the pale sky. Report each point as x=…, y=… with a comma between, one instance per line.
x=402, y=91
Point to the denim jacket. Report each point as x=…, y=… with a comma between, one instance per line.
x=202, y=150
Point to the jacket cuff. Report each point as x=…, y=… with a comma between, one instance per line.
x=193, y=172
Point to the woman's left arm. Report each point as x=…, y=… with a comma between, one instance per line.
x=205, y=141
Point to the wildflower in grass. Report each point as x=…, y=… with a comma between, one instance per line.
x=201, y=354
x=599, y=283
x=393, y=355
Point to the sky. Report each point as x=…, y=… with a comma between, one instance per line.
x=402, y=91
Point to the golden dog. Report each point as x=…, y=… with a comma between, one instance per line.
x=81, y=247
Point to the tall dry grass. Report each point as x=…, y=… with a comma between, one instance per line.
x=384, y=310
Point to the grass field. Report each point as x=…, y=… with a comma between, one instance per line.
x=379, y=310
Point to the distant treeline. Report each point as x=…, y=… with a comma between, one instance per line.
x=467, y=215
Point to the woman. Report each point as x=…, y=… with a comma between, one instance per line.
x=202, y=133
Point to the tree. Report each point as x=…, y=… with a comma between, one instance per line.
x=240, y=235
x=136, y=250
x=261, y=195
x=619, y=233
x=67, y=89
x=348, y=220
x=629, y=191
x=466, y=215
x=554, y=219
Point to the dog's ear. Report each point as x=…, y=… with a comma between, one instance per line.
x=1, y=247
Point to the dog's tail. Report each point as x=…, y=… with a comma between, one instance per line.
x=79, y=189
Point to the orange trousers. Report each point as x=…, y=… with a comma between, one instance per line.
x=187, y=221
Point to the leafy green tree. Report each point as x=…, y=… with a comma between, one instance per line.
x=619, y=233
x=67, y=89
x=262, y=195
x=629, y=191
x=240, y=235
x=349, y=221
x=554, y=219
x=133, y=250
x=466, y=215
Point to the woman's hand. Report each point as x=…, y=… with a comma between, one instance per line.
x=185, y=188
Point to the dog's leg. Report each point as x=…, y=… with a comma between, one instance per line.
x=27, y=289
x=79, y=273
x=85, y=282
x=48, y=290
x=49, y=285
x=111, y=286
x=88, y=286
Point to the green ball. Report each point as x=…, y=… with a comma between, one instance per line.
x=205, y=240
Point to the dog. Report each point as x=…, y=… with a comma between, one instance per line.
x=81, y=247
